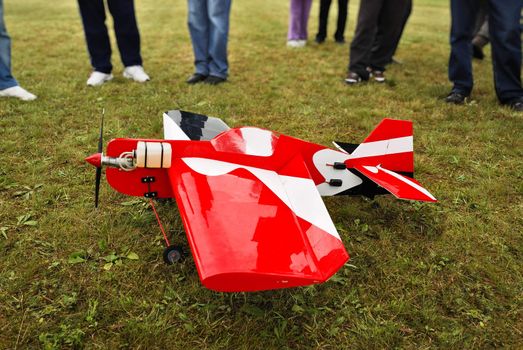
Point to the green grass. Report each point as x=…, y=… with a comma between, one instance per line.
x=445, y=275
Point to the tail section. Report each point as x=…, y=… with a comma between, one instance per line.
x=385, y=160
x=389, y=145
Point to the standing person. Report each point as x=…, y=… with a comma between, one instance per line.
x=505, y=37
x=209, y=28
x=298, y=20
x=339, y=36
x=386, y=17
x=8, y=85
x=99, y=46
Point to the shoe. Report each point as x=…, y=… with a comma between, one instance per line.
x=456, y=98
x=319, y=39
x=516, y=104
x=18, y=92
x=477, y=52
x=378, y=75
x=214, y=80
x=98, y=78
x=296, y=43
x=136, y=73
x=353, y=78
x=196, y=78
x=340, y=41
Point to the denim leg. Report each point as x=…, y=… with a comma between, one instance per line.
x=6, y=78
x=199, y=29
x=98, y=44
x=126, y=30
x=218, y=12
x=505, y=35
x=463, y=14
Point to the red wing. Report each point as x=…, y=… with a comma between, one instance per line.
x=251, y=229
x=401, y=186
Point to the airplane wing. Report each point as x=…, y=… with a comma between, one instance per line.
x=182, y=125
x=400, y=186
x=252, y=229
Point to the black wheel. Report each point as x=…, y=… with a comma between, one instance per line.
x=172, y=254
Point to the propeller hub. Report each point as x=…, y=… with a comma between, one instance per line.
x=95, y=159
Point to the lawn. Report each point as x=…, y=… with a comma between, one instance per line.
x=421, y=276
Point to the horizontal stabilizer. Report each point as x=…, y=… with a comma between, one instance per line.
x=181, y=125
x=402, y=187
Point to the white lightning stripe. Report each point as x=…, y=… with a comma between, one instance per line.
x=402, y=178
x=299, y=194
x=258, y=142
x=384, y=147
x=171, y=130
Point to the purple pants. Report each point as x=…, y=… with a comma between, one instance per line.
x=299, y=16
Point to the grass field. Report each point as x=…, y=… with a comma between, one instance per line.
x=421, y=276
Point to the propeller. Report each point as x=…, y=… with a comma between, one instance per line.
x=99, y=169
x=96, y=160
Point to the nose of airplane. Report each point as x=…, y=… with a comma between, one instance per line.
x=95, y=159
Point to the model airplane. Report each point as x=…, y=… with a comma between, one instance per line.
x=250, y=199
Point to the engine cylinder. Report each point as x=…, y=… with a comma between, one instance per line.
x=153, y=155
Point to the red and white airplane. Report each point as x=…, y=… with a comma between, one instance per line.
x=250, y=199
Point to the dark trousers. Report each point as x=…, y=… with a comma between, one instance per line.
x=379, y=36
x=125, y=27
x=324, y=19
x=389, y=16
x=505, y=36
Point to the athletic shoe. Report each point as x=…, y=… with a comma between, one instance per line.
x=296, y=43
x=353, y=78
x=98, y=78
x=456, y=98
x=18, y=92
x=136, y=73
x=378, y=75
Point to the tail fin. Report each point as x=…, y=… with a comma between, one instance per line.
x=389, y=145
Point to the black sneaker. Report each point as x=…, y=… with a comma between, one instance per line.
x=516, y=104
x=456, y=98
x=214, y=80
x=353, y=78
x=196, y=78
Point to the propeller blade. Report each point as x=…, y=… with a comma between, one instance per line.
x=100, y=139
x=97, y=186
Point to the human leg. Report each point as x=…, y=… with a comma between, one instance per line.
x=126, y=30
x=199, y=29
x=97, y=38
x=505, y=35
x=6, y=78
x=343, y=5
x=323, y=20
x=218, y=13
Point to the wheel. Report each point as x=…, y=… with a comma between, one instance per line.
x=172, y=254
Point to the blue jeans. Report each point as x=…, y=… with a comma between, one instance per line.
x=505, y=35
x=209, y=28
x=6, y=78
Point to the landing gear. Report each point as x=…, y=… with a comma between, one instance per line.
x=172, y=254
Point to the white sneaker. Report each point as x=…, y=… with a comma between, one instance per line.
x=18, y=92
x=136, y=73
x=98, y=78
x=296, y=43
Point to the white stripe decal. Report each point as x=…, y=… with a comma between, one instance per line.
x=299, y=194
x=384, y=147
x=402, y=178
x=171, y=130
